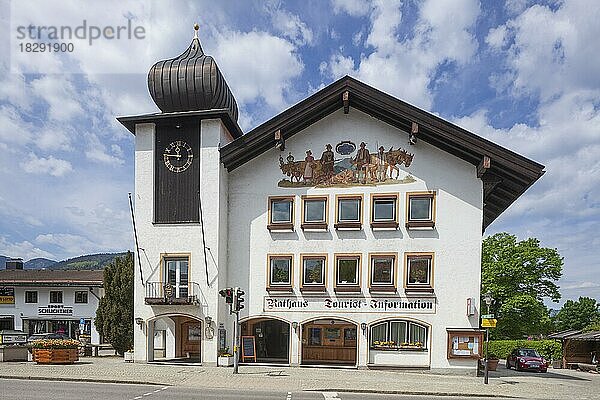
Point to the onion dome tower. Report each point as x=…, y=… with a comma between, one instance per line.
x=190, y=82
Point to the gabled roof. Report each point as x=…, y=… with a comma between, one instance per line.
x=506, y=175
x=48, y=277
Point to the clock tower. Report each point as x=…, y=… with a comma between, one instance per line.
x=181, y=205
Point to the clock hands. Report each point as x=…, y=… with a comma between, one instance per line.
x=173, y=155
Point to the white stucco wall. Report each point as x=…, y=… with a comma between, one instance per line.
x=456, y=239
x=165, y=239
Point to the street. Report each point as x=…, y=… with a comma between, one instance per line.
x=25, y=390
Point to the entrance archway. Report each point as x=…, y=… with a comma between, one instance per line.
x=329, y=341
x=272, y=338
x=174, y=338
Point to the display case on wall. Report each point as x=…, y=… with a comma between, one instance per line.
x=464, y=343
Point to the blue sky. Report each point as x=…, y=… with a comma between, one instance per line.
x=521, y=73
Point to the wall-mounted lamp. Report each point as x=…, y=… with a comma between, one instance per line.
x=139, y=321
x=363, y=326
x=295, y=326
x=208, y=320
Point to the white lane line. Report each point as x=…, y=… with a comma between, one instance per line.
x=137, y=398
x=289, y=396
x=157, y=390
x=166, y=387
x=147, y=394
x=330, y=395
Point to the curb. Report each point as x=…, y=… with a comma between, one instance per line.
x=45, y=378
x=415, y=393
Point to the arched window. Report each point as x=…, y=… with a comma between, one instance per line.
x=398, y=335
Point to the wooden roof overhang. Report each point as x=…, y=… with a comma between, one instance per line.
x=130, y=122
x=506, y=175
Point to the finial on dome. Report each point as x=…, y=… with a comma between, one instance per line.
x=196, y=27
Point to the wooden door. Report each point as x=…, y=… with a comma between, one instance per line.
x=191, y=337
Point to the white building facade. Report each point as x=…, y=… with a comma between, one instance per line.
x=353, y=222
x=47, y=301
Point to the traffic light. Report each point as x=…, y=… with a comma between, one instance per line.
x=228, y=294
x=239, y=299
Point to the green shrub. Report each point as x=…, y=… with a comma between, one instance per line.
x=549, y=349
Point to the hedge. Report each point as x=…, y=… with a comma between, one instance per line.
x=549, y=349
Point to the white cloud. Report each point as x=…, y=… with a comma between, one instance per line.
x=24, y=249
x=355, y=8
x=581, y=285
x=258, y=66
x=60, y=95
x=291, y=26
x=496, y=37
x=68, y=243
x=404, y=66
x=97, y=152
x=50, y=165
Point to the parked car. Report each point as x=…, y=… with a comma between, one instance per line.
x=526, y=359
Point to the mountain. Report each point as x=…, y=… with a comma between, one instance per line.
x=38, y=263
x=90, y=261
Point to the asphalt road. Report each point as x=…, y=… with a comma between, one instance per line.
x=19, y=389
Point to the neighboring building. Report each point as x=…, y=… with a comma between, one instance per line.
x=353, y=246
x=55, y=301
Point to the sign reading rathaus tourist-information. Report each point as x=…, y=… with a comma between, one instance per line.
x=425, y=305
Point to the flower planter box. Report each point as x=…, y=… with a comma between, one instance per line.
x=225, y=361
x=493, y=364
x=55, y=356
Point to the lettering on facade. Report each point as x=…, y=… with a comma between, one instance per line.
x=7, y=295
x=425, y=305
x=56, y=309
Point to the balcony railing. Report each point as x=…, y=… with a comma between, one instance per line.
x=159, y=293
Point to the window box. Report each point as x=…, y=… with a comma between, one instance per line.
x=384, y=211
x=315, y=213
x=382, y=274
x=348, y=212
x=281, y=213
x=420, y=210
x=347, y=273
x=419, y=272
x=314, y=272
x=280, y=273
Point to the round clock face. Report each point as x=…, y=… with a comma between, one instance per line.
x=178, y=156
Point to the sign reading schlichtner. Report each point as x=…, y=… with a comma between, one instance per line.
x=55, y=309
x=424, y=305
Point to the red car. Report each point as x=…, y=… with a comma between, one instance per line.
x=526, y=359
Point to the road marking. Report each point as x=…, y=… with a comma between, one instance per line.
x=289, y=396
x=137, y=398
x=147, y=394
x=158, y=390
x=330, y=395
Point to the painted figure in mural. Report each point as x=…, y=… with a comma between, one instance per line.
x=309, y=161
x=327, y=161
x=381, y=164
x=362, y=160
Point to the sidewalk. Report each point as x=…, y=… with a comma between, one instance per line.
x=556, y=384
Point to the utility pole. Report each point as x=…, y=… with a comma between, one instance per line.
x=488, y=300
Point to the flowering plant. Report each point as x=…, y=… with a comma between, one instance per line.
x=225, y=352
x=55, y=344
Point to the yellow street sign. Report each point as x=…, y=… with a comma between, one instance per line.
x=488, y=323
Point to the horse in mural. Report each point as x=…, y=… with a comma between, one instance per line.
x=390, y=162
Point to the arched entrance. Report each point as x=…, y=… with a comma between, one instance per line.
x=174, y=338
x=329, y=341
x=272, y=339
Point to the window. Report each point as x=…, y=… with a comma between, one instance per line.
x=398, y=335
x=281, y=213
x=56, y=296
x=313, y=272
x=314, y=212
x=347, y=273
x=280, y=272
x=383, y=272
x=384, y=211
x=176, y=283
x=420, y=210
x=349, y=212
x=419, y=272
x=81, y=297
x=31, y=296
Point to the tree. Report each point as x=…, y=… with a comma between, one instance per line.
x=114, y=317
x=519, y=275
x=577, y=314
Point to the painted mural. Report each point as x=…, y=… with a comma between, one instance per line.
x=347, y=166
